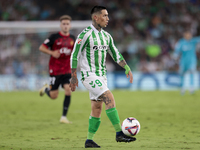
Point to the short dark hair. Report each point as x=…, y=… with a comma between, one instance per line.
x=65, y=17
x=97, y=9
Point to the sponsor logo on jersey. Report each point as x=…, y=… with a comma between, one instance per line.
x=58, y=43
x=101, y=47
x=79, y=41
x=46, y=41
x=65, y=50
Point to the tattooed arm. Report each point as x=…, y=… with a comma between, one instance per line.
x=117, y=57
x=128, y=72
x=74, y=81
x=122, y=63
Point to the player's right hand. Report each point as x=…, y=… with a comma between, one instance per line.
x=56, y=54
x=73, y=83
x=131, y=76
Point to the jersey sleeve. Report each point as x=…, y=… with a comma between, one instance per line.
x=196, y=39
x=113, y=51
x=48, y=43
x=177, y=50
x=78, y=47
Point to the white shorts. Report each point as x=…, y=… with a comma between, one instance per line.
x=96, y=85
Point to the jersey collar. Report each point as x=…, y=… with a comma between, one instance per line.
x=63, y=35
x=95, y=30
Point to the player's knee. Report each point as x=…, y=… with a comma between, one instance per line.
x=96, y=112
x=68, y=93
x=54, y=95
x=98, y=108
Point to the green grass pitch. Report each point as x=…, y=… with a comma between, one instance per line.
x=168, y=121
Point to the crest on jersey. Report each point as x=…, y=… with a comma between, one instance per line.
x=106, y=38
x=79, y=41
x=95, y=39
x=71, y=43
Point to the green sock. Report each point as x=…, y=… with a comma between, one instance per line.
x=93, y=127
x=114, y=118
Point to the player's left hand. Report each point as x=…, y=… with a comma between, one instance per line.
x=73, y=83
x=131, y=76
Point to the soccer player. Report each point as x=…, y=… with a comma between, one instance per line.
x=59, y=46
x=186, y=49
x=91, y=48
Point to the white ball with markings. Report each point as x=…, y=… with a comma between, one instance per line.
x=130, y=126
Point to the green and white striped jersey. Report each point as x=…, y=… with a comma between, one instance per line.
x=90, y=49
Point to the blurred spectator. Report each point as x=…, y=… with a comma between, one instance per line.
x=18, y=67
x=144, y=31
x=46, y=13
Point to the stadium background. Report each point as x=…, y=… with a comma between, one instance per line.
x=145, y=32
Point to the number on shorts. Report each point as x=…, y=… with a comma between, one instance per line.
x=52, y=80
x=97, y=82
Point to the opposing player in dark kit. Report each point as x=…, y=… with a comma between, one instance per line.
x=59, y=46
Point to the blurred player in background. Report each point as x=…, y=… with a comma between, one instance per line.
x=90, y=49
x=59, y=46
x=186, y=49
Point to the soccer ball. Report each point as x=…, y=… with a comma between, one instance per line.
x=130, y=126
